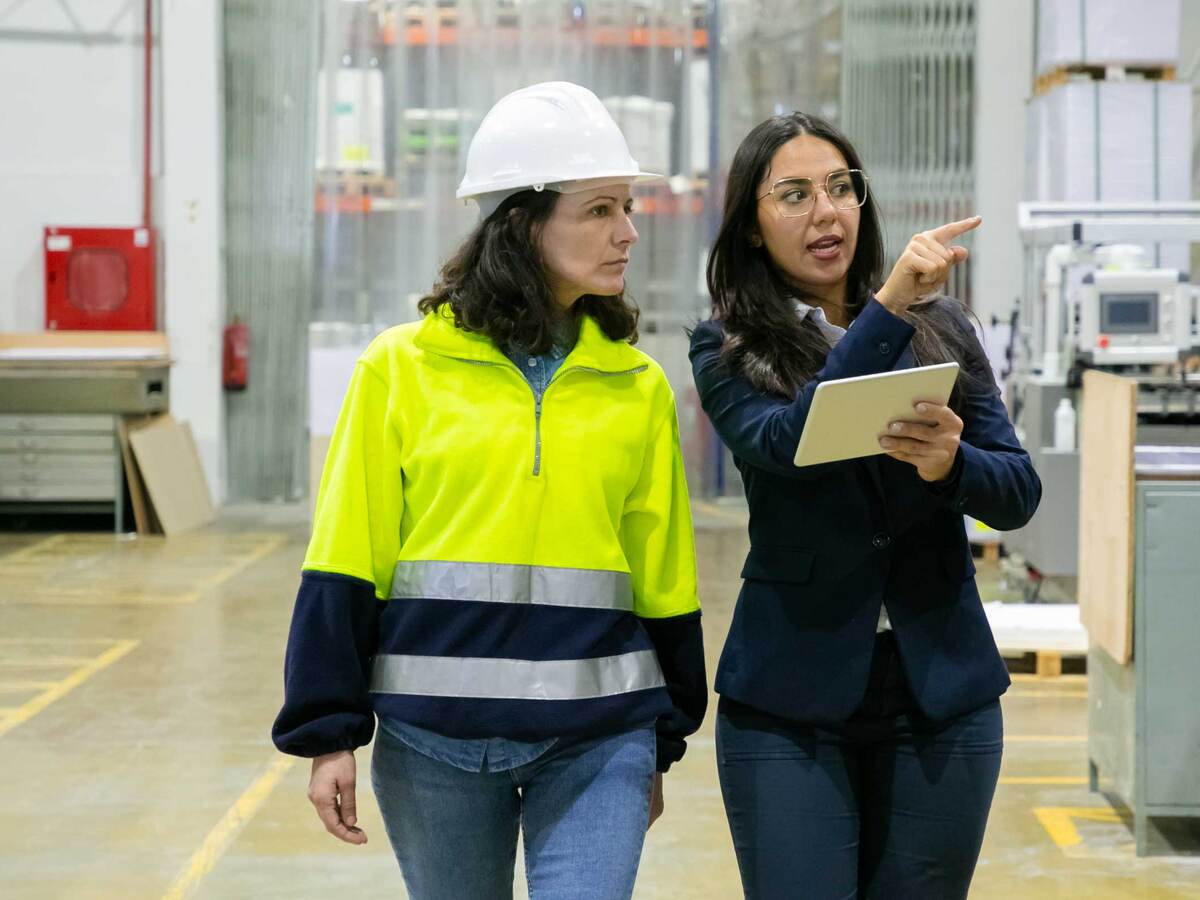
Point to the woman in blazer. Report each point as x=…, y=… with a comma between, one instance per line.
x=859, y=732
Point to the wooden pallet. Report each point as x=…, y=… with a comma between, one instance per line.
x=1060, y=75
x=1037, y=635
x=1045, y=663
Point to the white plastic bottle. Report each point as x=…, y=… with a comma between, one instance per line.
x=1064, y=425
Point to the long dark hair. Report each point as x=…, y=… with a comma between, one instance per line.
x=764, y=338
x=495, y=284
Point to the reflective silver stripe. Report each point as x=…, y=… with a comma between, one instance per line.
x=499, y=583
x=516, y=679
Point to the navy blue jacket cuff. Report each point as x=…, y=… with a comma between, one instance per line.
x=334, y=633
x=679, y=645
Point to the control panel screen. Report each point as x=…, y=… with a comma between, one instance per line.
x=1129, y=313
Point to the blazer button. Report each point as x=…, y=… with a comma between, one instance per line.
x=881, y=541
x=884, y=348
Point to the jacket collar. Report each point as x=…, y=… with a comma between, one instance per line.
x=594, y=349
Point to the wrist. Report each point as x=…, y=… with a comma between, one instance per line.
x=943, y=478
x=887, y=299
x=938, y=474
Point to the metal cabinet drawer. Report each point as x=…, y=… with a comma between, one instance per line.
x=29, y=468
x=43, y=424
x=53, y=444
x=46, y=492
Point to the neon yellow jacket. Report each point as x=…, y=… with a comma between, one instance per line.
x=531, y=563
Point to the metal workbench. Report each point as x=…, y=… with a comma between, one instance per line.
x=60, y=410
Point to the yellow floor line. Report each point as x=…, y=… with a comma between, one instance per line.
x=1043, y=779
x=34, y=548
x=219, y=839
x=1045, y=738
x=273, y=543
x=60, y=689
x=1059, y=822
x=35, y=593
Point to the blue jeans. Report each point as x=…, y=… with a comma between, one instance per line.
x=888, y=805
x=584, y=807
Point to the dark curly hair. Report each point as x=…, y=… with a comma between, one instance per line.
x=764, y=338
x=495, y=284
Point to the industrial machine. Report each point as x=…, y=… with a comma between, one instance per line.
x=1094, y=299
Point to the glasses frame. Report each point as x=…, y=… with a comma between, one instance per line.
x=822, y=188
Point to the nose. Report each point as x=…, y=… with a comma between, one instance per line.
x=823, y=208
x=625, y=235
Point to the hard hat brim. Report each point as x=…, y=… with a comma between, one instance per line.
x=471, y=191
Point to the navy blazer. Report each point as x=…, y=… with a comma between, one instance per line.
x=830, y=543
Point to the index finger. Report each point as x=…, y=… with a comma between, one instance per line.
x=951, y=230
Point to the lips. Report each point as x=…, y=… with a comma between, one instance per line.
x=618, y=262
x=827, y=249
x=826, y=243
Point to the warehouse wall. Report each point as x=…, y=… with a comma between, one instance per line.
x=71, y=154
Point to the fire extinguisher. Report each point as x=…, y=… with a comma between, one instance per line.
x=235, y=361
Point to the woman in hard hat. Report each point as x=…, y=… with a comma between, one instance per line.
x=502, y=565
x=859, y=732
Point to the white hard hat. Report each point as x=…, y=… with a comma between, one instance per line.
x=556, y=136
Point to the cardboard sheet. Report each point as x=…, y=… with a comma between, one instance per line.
x=169, y=464
x=1106, y=499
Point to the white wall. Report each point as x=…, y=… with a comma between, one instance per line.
x=1003, y=79
x=191, y=215
x=70, y=142
x=71, y=154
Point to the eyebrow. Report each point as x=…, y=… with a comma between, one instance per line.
x=810, y=177
x=595, y=199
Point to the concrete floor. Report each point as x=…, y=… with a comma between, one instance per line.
x=139, y=678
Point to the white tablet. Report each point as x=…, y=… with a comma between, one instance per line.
x=848, y=415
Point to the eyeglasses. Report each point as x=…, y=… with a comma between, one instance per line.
x=794, y=197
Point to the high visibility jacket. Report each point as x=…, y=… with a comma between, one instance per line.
x=487, y=564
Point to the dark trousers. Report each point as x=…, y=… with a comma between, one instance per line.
x=888, y=805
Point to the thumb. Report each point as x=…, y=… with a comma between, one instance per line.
x=960, y=253
x=348, y=805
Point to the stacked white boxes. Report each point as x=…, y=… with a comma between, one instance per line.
x=1112, y=141
x=1107, y=33
x=1123, y=140
x=646, y=125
